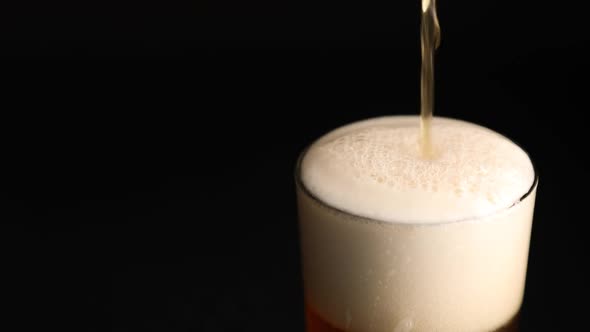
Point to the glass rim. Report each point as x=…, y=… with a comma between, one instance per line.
x=300, y=185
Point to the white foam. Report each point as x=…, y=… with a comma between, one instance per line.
x=374, y=168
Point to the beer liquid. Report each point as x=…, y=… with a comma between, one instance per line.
x=430, y=40
x=314, y=323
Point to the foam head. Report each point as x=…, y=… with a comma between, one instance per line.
x=374, y=169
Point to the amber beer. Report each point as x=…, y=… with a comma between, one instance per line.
x=396, y=242
x=314, y=323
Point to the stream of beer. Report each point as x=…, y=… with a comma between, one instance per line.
x=430, y=40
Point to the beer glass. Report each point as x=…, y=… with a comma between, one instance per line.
x=363, y=274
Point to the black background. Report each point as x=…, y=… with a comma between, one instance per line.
x=151, y=188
